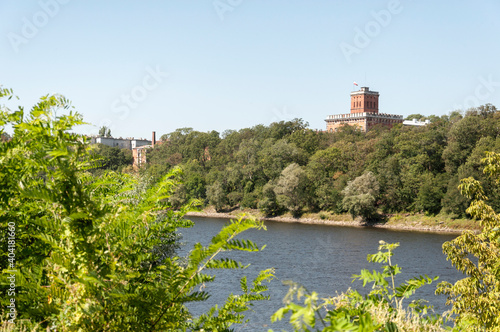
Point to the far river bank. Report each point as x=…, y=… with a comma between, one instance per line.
x=406, y=221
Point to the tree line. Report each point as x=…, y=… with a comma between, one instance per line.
x=288, y=167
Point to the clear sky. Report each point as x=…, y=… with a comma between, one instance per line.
x=139, y=66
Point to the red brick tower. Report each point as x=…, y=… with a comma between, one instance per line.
x=364, y=113
x=364, y=101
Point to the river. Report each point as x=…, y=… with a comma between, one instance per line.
x=322, y=258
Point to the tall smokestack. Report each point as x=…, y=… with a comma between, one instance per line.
x=153, y=139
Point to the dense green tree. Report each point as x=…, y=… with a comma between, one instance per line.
x=194, y=180
x=391, y=190
x=430, y=194
x=309, y=140
x=463, y=136
x=217, y=196
x=453, y=202
x=275, y=156
x=104, y=131
x=328, y=196
x=417, y=116
x=269, y=203
x=282, y=129
x=200, y=146
x=234, y=198
x=360, y=196
x=228, y=146
x=326, y=164
x=250, y=200
x=347, y=133
x=326, y=172
x=293, y=189
x=113, y=158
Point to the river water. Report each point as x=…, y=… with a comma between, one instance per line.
x=322, y=258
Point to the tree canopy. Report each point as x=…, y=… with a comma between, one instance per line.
x=418, y=169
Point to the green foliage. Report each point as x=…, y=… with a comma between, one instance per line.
x=360, y=196
x=476, y=298
x=113, y=158
x=104, y=131
x=98, y=253
x=276, y=156
x=249, y=200
x=326, y=169
x=282, y=129
x=217, y=196
x=292, y=189
x=417, y=168
x=464, y=135
x=380, y=310
x=453, y=202
x=417, y=116
x=309, y=140
x=430, y=194
x=269, y=203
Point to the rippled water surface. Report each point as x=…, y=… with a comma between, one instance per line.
x=322, y=258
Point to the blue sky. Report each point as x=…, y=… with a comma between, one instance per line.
x=139, y=66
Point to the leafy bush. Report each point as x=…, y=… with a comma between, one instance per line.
x=98, y=253
x=476, y=298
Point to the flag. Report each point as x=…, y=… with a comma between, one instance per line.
x=356, y=84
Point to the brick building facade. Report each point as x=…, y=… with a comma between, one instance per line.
x=139, y=147
x=364, y=113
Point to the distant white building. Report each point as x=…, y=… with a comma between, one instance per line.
x=138, y=146
x=136, y=143
x=416, y=122
x=124, y=143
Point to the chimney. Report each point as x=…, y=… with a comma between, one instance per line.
x=153, y=139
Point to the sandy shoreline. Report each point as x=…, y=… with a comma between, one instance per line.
x=329, y=222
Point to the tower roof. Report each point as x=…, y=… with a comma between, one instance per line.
x=364, y=91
